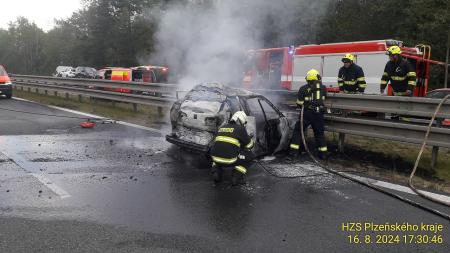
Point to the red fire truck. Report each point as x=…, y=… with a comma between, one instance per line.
x=285, y=68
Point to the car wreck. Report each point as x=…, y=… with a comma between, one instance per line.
x=196, y=118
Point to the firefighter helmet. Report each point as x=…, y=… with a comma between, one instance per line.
x=312, y=75
x=348, y=57
x=239, y=116
x=394, y=50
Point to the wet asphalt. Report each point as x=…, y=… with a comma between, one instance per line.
x=117, y=188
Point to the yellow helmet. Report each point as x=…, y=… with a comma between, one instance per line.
x=348, y=57
x=394, y=50
x=312, y=75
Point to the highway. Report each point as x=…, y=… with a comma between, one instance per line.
x=122, y=188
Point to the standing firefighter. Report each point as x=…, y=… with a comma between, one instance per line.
x=399, y=73
x=232, y=148
x=351, y=76
x=311, y=96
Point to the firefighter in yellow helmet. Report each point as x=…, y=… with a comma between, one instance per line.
x=311, y=96
x=232, y=148
x=399, y=73
x=351, y=76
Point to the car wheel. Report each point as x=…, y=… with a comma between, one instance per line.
x=8, y=95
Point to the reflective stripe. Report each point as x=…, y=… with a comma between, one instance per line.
x=250, y=144
x=340, y=79
x=307, y=98
x=362, y=85
x=350, y=82
x=411, y=74
x=385, y=74
x=299, y=102
x=318, y=91
x=361, y=79
x=213, y=164
x=228, y=140
x=224, y=160
x=323, y=149
x=383, y=82
x=295, y=146
x=413, y=83
x=323, y=97
x=241, y=169
x=399, y=93
x=341, y=84
x=398, y=78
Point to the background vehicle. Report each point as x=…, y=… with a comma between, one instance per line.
x=85, y=72
x=196, y=118
x=5, y=83
x=285, y=68
x=60, y=70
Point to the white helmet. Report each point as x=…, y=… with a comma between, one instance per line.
x=241, y=116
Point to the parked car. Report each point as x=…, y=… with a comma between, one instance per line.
x=196, y=118
x=5, y=83
x=85, y=72
x=440, y=94
x=64, y=71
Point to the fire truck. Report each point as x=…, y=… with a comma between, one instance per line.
x=285, y=68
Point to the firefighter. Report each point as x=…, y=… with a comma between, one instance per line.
x=351, y=76
x=311, y=96
x=399, y=73
x=232, y=148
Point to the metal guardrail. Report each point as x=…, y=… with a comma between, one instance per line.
x=72, y=86
x=412, y=106
x=161, y=88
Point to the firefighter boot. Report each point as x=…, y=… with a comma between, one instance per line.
x=216, y=172
x=238, y=176
x=323, y=155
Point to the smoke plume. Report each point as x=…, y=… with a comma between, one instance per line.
x=206, y=42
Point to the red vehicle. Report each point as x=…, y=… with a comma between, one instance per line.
x=285, y=68
x=144, y=74
x=5, y=83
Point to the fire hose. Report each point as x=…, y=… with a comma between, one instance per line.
x=410, y=181
x=406, y=200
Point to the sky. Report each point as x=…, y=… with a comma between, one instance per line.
x=41, y=12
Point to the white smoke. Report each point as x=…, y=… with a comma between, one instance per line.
x=207, y=43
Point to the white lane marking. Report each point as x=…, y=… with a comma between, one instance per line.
x=397, y=187
x=53, y=187
x=24, y=164
x=100, y=117
x=93, y=116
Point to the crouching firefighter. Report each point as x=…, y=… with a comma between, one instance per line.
x=232, y=148
x=311, y=97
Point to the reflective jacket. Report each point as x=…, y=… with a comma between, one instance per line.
x=312, y=96
x=401, y=75
x=230, y=139
x=352, y=79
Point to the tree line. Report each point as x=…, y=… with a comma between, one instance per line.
x=120, y=32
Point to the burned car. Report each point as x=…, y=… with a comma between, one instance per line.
x=196, y=118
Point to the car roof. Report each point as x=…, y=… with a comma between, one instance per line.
x=227, y=90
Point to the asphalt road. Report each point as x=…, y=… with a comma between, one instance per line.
x=118, y=188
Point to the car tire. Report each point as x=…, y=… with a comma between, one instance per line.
x=8, y=95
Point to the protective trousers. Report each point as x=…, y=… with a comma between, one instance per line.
x=243, y=162
x=316, y=120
